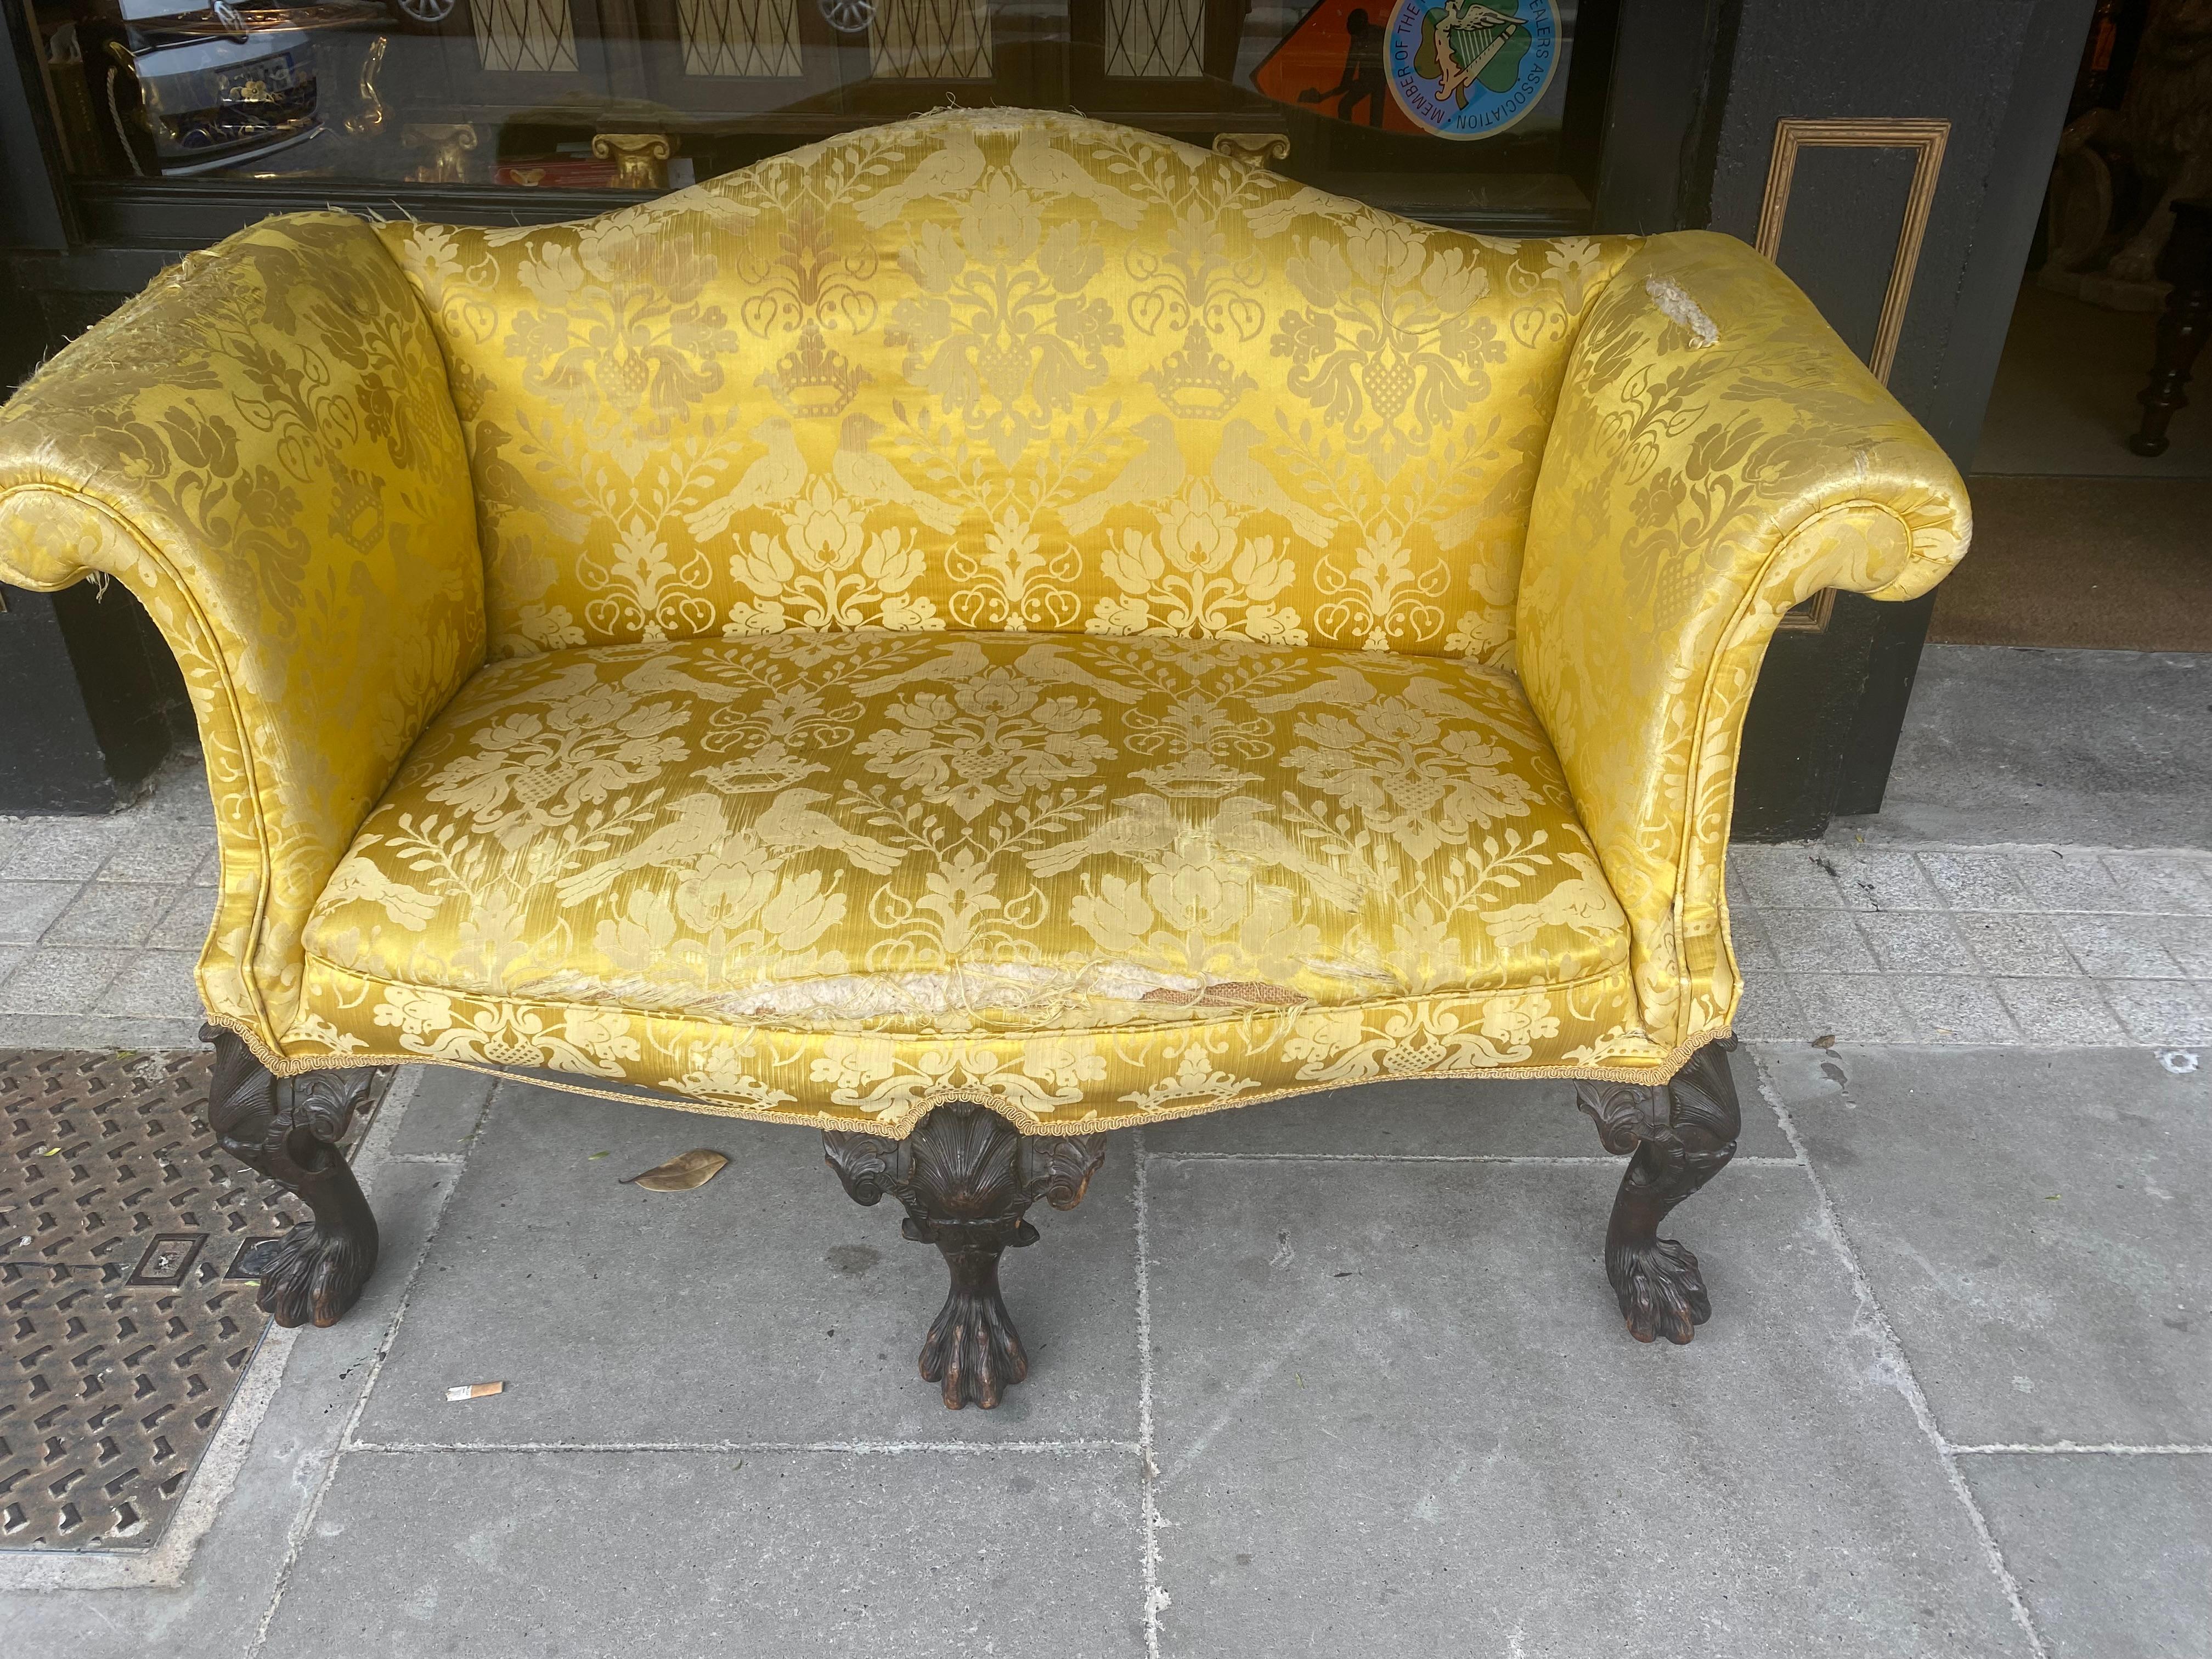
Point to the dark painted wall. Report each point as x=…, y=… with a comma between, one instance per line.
x=93, y=699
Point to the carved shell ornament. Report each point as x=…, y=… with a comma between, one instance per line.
x=426, y=11
x=848, y=16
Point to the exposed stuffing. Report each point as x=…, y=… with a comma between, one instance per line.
x=1680, y=307
x=1028, y=994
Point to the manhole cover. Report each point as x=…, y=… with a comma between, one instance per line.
x=128, y=1311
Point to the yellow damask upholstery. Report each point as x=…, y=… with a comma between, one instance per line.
x=996, y=606
x=842, y=871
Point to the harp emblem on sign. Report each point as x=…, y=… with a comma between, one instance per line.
x=1468, y=68
x=1462, y=39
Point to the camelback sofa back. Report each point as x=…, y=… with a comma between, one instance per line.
x=980, y=632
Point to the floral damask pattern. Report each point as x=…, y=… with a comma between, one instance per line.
x=947, y=650
x=1067, y=851
x=1001, y=369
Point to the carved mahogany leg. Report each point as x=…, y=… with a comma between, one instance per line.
x=289, y=1128
x=1680, y=1135
x=966, y=1175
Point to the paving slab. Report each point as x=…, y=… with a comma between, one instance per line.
x=2034, y=1225
x=765, y=1306
x=442, y=1112
x=157, y=985
x=184, y=925
x=158, y=848
x=62, y=848
x=1851, y=1007
x=2113, y=1554
x=1952, y=1009
x=1435, y=1117
x=567, y=1555
x=2010, y=744
x=111, y=913
x=1398, y=1413
x=2060, y=1013
x=27, y=909
x=57, y=979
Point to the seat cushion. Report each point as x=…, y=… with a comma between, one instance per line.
x=836, y=874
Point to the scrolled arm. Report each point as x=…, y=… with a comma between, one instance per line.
x=1718, y=455
x=262, y=448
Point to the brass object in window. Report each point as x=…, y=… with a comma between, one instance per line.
x=640, y=159
x=449, y=144
x=1260, y=148
x=368, y=117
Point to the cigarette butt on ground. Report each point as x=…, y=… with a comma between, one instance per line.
x=474, y=1390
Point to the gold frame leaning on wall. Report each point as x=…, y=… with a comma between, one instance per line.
x=1794, y=133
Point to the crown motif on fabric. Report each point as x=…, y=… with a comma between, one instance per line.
x=1197, y=382
x=812, y=379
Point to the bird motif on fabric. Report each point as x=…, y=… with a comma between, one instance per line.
x=1242, y=478
x=1583, y=902
x=357, y=878
x=793, y=824
x=775, y=477
x=1243, y=829
x=701, y=825
x=698, y=827
x=1051, y=172
x=1155, y=472
x=953, y=168
x=868, y=476
x=1247, y=830
x=1140, y=824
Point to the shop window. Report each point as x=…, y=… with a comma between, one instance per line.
x=523, y=104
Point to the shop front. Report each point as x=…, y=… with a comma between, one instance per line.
x=1891, y=157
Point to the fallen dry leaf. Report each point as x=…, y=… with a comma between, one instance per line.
x=1825, y=1041
x=681, y=1173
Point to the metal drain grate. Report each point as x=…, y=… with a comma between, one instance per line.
x=127, y=1312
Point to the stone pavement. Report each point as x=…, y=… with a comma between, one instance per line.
x=1332, y=1376
x=1338, y=1375
x=102, y=921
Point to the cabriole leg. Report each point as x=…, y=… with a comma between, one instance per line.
x=1678, y=1137
x=289, y=1128
x=966, y=1176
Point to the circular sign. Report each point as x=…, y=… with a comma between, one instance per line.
x=1470, y=68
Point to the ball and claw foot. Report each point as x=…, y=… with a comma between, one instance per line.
x=966, y=1176
x=316, y=1275
x=1661, y=1291
x=290, y=1130
x=1677, y=1136
x=973, y=1351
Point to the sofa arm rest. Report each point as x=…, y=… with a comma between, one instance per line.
x=262, y=447
x=1718, y=455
